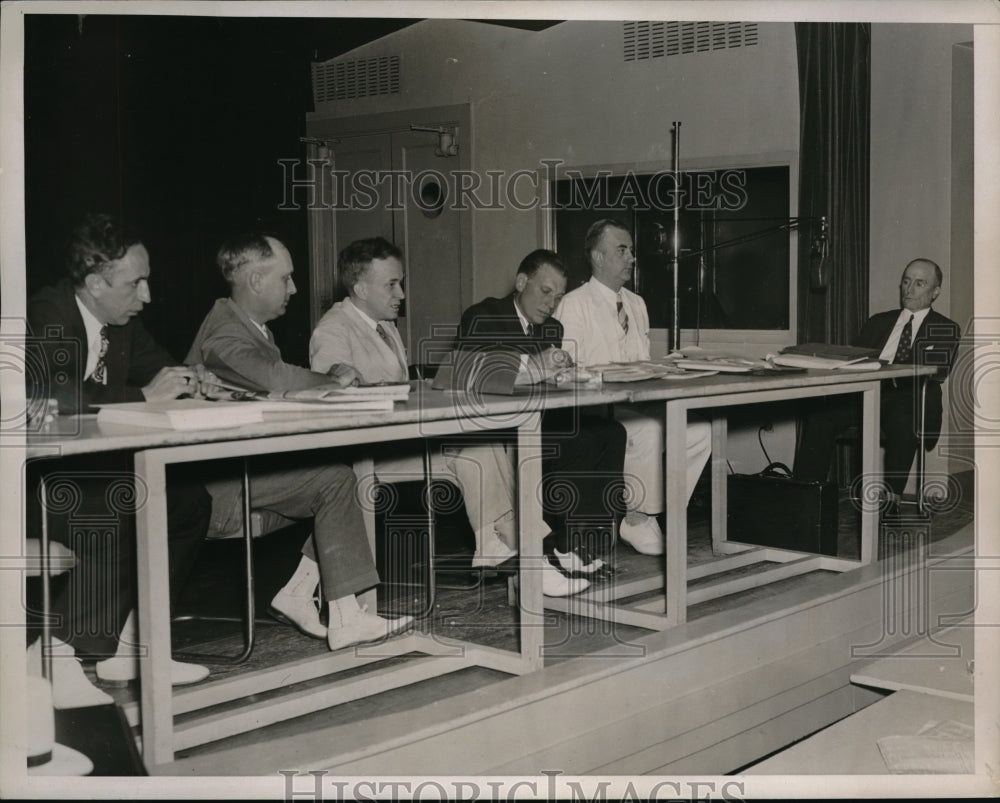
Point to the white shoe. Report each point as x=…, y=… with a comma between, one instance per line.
x=299, y=612
x=572, y=562
x=492, y=551
x=71, y=688
x=120, y=669
x=645, y=538
x=362, y=627
x=555, y=584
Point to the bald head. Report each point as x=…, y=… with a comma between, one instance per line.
x=259, y=269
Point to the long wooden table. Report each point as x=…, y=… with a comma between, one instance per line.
x=428, y=414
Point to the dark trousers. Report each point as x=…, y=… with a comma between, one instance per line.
x=91, y=509
x=826, y=418
x=582, y=484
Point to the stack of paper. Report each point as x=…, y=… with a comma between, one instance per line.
x=937, y=748
x=181, y=414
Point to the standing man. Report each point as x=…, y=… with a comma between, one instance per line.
x=912, y=335
x=605, y=322
x=97, y=351
x=235, y=342
x=360, y=331
x=583, y=452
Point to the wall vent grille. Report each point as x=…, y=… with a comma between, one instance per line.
x=357, y=78
x=653, y=40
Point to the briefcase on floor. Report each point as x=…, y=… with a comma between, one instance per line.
x=774, y=509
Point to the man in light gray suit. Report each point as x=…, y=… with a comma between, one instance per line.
x=235, y=340
x=360, y=331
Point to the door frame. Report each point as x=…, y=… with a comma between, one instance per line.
x=323, y=241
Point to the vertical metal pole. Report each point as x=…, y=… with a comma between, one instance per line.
x=46, y=605
x=676, y=329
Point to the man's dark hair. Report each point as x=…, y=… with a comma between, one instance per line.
x=94, y=243
x=530, y=264
x=234, y=253
x=597, y=228
x=355, y=260
x=938, y=274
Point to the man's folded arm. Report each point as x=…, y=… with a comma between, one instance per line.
x=242, y=363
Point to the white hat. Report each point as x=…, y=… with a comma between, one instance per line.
x=45, y=755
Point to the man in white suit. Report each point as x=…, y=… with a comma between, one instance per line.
x=604, y=322
x=360, y=331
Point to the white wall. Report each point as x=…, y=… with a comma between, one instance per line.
x=566, y=93
x=911, y=156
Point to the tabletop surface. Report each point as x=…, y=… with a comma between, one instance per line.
x=69, y=435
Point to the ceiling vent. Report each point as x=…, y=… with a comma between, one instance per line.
x=653, y=40
x=357, y=78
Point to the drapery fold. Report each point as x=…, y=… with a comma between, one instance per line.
x=835, y=130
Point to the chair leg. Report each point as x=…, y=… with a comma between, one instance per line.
x=249, y=620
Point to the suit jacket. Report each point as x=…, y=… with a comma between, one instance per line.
x=934, y=343
x=59, y=338
x=342, y=336
x=232, y=347
x=593, y=335
x=494, y=322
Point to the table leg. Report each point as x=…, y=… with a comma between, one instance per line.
x=675, y=570
x=153, y=592
x=870, y=400
x=529, y=528
x=720, y=432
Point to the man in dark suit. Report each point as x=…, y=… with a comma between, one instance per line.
x=912, y=335
x=97, y=351
x=585, y=451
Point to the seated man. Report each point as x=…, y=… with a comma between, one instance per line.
x=915, y=335
x=97, y=351
x=586, y=451
x=360, y=331
x=605, y=322
x=236, y=344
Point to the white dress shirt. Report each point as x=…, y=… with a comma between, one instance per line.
x=93, y=328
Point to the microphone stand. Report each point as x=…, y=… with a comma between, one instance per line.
x=675, y=339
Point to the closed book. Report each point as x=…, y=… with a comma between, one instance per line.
x=181, y=414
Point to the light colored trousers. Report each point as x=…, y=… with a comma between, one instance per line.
x=644, y=454
x=483, y=474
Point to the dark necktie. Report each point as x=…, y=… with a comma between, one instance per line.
x=100, y=375
x=905, y=343
x=622, y=315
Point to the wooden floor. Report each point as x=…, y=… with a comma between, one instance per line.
x=420, y=723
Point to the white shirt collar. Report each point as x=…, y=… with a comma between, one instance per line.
x=604, y=290
x=525, y=323
x=368, y=319
x=92, y=327
x=918, y=317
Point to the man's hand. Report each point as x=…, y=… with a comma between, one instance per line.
x=342, y=375
x=171, y=382
x=554, y=359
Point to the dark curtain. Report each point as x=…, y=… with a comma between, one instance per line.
x=835, y=122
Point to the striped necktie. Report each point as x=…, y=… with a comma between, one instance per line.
x=622, y=314
x=390, y=343
x=905, y=343
x=100, y=374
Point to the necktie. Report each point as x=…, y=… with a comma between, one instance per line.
x=390, y=343
x=622, y=315
x=532, y=331
x=905, y=343
x=100, y=375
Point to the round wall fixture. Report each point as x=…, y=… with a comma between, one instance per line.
x=432, y=197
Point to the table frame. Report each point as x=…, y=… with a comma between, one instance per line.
x=607, y=602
